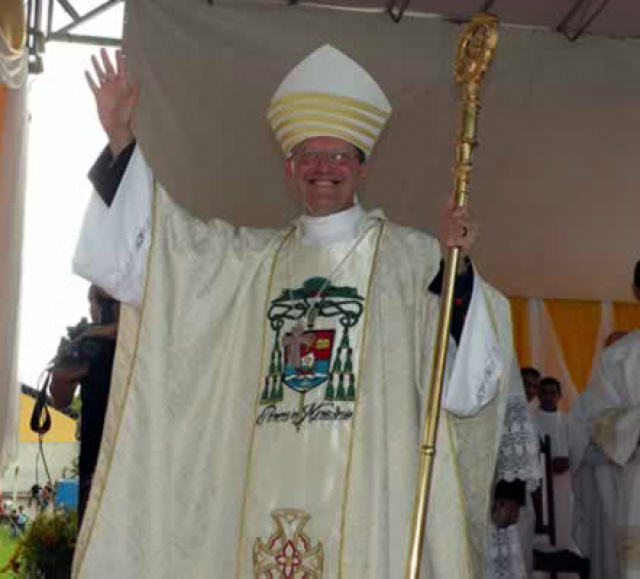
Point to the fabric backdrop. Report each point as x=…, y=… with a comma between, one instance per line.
x=564, y=338
x=555, y=184
x=13, y=119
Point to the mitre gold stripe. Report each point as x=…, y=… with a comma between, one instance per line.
x=292, y=137
x=326, y=98
x=276, y=117
x=323, y=120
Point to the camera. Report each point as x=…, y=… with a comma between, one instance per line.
x=75, y=350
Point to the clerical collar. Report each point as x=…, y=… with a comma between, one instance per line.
x=333, y=228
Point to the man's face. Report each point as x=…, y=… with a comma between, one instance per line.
x=549, y=397
x=325, y=173
x=531, y=386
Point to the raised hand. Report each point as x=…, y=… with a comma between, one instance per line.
x=116, y=98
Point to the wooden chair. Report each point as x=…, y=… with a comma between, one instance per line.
x=553, y=562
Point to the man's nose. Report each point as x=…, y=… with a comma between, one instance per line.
x=324, y=163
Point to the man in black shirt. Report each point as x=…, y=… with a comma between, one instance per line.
x=87, y=361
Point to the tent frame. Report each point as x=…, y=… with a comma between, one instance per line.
x=39, y=32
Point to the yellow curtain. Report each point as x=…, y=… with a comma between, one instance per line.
x=521, y=340
x=626, y=316
x=12, y=22
x=577, y=326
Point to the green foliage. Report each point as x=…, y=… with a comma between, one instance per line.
x=47, y=546
x=7, y=548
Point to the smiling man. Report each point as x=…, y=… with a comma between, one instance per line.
x=325, y=172
x=273, y=392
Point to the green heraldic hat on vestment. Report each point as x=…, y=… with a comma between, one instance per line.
x=328, y=95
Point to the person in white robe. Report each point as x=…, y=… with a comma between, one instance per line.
x=550, y=421
x=595, y=487
x=611, y=407
x=269, y=386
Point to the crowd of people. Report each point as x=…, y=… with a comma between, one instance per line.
x=15, y=518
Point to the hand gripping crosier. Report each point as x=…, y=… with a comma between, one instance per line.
x=473, y=56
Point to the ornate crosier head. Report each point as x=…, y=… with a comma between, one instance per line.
x=476, y=49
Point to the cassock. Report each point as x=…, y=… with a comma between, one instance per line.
x=553, y=424
x=268, y=398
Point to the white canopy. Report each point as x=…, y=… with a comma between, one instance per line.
x=557, y=172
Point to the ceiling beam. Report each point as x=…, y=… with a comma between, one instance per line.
x=84, y=18
x=397, y=8
x=581, y=15
x=38, y=35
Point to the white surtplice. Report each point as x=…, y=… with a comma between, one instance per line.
x=510, y=549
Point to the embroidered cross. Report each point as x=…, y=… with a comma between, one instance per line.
x=293, y=342
x=289, y=553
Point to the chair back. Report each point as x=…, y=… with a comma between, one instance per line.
x=545, y=511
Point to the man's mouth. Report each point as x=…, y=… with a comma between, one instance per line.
x=324, y=182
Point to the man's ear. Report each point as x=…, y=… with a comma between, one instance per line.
x=288, y=168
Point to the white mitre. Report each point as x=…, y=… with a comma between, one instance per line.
x=328, y=95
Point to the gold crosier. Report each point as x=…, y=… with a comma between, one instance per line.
x=474, y=53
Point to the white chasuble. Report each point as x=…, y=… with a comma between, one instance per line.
x=266, y=411
x=612, y=403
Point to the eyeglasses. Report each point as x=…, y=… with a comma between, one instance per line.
x=335, y=158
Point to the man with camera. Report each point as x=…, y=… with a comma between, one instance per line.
x=85, y=358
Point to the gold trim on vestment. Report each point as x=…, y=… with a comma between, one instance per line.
x=240, y=549
x=461, y=499
x=97, y=491
x=295, y=98
x=604, y=428
x=356, y=404
x=333, y=110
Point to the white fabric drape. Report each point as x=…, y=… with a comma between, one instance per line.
x=13, y=71
x=546, y=351
x=13, y=64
